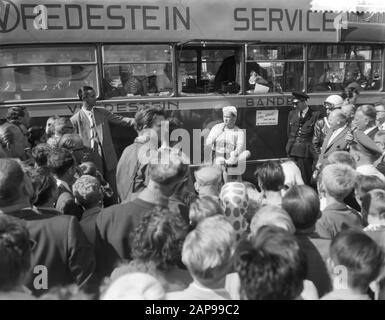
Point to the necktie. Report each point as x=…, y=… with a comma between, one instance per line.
x=93, y=132
x=301, y=115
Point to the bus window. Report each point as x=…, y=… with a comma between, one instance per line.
x=205, y=70
x=274, y=68
x=132, y=70
x=37, y=73
x=333, y=67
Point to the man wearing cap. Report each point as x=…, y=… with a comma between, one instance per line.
x=227, y=141
x=365, y=120
x=365, y=152
x=322, y=126
x=300, y=130
x=208, y=182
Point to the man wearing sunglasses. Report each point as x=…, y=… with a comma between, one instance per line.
x=300, y=129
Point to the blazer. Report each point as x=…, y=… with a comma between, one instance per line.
x=103, y=119
x=372, y=133
x=66, y=203
x=300, y=134
x=337, y=144
x=62, y=247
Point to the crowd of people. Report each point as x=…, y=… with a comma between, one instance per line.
x=76, y=223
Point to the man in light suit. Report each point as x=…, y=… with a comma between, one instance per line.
x=93, y=125
x=335, y=138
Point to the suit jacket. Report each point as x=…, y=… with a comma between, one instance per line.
x=103, y=119
x=372, y=133
x=66, y=203
x=300, y=134
x=62, y=248
x=337, y=144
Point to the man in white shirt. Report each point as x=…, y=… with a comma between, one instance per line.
x=365, y=120
x=380, y=114
x=335, y=139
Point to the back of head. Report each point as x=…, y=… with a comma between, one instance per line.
x=364, y=184
x=88, y=168
x=342, y=157
x=168, y=167
x=8, y=136
x=144, y=117
x=62, y=125
x=70, y=141
x=44, y=185
x=338, y=180
x=303, y=206
x=273, y=267
x=60, y=161
x=49, y=127
x=273, y=216
x=270, y=176
x=159, y=238
x=15, y=115
x=203, y=208
x=11, y=181
x=208, y=250
x=15, y=252
x=135, y=286
x=208, y=175
x=40, y=154
x=373, y=205
x=360, y=255
x=292, y=174
x=87, y=191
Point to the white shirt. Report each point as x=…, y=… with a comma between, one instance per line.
x=335, y=134
x=303, y=112
x=370, y=170
x=64, y=184
x=91, y=118
x=367, y=131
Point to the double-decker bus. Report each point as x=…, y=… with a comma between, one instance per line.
x=190, y=57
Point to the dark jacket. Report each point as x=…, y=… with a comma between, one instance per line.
x=300, y=134
x=320, y=131
x=66, y=203
x=88, y=223
x=372, y=133
x=62, y=247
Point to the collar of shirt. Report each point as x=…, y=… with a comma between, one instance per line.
x=303, y=112
x=369, y=129
x=64, y=184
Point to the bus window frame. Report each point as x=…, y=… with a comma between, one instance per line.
x=103, y=64
x=92, y=46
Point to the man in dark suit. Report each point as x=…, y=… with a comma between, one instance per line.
x=365, y=120
x=63, y=165
x=115, y=224
x=300, y=129
x=335, y=138
x=93, y=125
x=61, y=254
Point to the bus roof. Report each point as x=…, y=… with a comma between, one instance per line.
x=78, y=21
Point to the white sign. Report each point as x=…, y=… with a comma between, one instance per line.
x=267, y=117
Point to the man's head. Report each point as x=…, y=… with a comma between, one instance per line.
x=15, y=253
x=208, y=250
x=203, y=208
x=333, y=102
x=337, y=181
x=12, y=182
x=373, y=206
x=63, y=164
x=208, y=179
x=337, y=119
x=351, y=93
x=167, y=170
x=88, y=96
x=364, y=150
x=342, y=157
x=299, y=100
x=380, y=111
x=365, y=117
x=229, y=116
x=18, y=115
x=303, y=206
x=13, y=141
x=74, y=143
x=358, y=257
x=150, y=118
x=379, y=140
x=49, y=128
x=62, y=125
x=273, y=267
x=87, y=192
x=364, y=184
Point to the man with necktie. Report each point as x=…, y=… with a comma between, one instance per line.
x=93, y=125
x=300, y=129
